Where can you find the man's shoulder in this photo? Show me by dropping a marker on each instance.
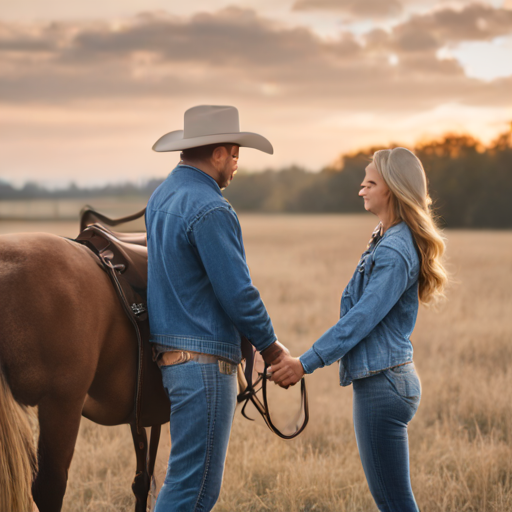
(187, 198)
(212, 209)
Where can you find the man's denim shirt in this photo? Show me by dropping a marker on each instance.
(200, 294)
(377, 313)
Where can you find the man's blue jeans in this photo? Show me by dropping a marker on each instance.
(383, 406)
(203, 403)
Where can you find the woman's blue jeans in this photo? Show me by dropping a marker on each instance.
(203, 403)
(383, 406)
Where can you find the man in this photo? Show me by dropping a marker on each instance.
(201, 300)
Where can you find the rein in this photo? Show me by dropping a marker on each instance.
(250, 394)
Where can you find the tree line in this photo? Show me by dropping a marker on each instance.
(470, 184)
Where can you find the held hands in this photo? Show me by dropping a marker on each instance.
(287, 370)
(278, 356)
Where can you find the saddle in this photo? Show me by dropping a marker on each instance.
(124, 257)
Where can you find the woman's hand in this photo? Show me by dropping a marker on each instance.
(287, 371)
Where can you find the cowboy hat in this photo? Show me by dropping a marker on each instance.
(211, 124)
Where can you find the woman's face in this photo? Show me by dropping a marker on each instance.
(375, 192)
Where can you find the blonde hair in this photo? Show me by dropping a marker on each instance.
(404, 175)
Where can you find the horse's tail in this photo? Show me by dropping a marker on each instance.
(17, 453)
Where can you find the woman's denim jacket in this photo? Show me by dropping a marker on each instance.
(200, 294)
(377, 313)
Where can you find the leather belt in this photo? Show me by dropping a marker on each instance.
(174, 357)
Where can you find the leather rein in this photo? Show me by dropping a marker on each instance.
(250, 394)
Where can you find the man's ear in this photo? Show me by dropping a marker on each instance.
(218, 156)
(219, 152)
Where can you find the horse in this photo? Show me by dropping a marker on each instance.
(67, 347)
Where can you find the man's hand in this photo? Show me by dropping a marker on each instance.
(274, 353)
(287, 371)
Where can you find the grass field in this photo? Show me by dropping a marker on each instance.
(460, 439)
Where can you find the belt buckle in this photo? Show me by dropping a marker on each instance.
(184, 356)
(226, 368)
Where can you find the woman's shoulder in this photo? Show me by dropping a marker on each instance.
(400, 238)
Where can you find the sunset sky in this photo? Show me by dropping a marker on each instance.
(86, 88)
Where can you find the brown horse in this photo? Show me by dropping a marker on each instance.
(67, 347)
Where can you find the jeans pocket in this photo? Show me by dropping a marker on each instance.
(406, 383)
(181, 379)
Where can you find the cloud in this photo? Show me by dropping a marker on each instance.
(230, 37)
(234, 53)
(474, 19)
(357, 8)
(473, 22)
(22, 38)
(432, 31)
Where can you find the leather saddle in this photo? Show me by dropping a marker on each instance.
(124, 257)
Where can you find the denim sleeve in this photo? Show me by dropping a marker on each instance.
(218, 239)
(387, 283)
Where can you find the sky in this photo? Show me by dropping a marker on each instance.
(86, 88)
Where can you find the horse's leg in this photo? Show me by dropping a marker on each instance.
(153, 450)
(144, 478)
(141, 482)
(58, 428)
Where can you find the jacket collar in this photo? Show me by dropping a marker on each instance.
(194, 172)
(395, 228)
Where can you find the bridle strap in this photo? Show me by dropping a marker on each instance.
(303, 404)
(249, 394)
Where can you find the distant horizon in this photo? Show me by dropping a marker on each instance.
(141, 181)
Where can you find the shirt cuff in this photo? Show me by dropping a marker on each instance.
(261, 346)
(311, 361)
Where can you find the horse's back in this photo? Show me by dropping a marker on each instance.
(62, 325)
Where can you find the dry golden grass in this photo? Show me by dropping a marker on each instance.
(460, 439)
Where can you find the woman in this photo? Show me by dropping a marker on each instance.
(400, 268)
